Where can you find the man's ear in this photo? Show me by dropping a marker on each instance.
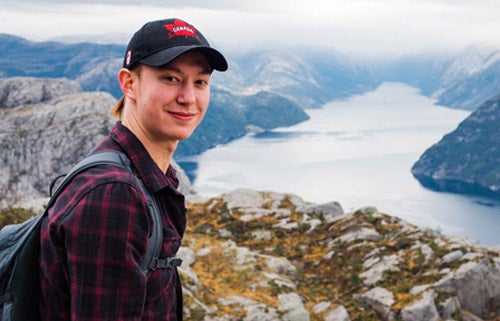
(127, 80)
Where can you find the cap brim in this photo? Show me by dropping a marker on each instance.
(161, 58)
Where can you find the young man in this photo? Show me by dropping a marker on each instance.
(96, 234)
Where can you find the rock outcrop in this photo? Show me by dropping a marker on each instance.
(251, 255)
(19, 91)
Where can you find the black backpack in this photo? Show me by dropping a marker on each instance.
(20, 248)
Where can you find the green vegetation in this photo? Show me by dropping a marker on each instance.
(15, 215)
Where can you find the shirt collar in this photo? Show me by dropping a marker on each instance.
(146, 168)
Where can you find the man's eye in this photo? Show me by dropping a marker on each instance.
(170, 78)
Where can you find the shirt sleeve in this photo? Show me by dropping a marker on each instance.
(106, 238)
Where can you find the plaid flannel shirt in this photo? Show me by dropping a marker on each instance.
(96, 234)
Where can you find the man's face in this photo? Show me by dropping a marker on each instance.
(172, 100)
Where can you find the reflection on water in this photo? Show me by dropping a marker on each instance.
(282, 135)
(358, 152)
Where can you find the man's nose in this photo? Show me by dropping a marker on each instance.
(186, 94)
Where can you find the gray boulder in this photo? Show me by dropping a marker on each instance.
(339, 314)
(292, 307)
(330, 211)
(423, 309)
(477, 286)
(379, 300)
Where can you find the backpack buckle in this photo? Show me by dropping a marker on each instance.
(165, 263)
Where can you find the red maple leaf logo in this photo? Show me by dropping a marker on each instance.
(181, 29)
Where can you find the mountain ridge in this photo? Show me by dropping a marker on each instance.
(310, 78)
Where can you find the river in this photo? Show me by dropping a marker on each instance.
(359, 152)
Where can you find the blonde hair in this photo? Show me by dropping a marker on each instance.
(118, 109)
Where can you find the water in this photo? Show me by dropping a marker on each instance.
(358, 152)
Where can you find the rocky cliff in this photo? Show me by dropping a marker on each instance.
(49, 126)
(466, 160)
(19, 91)
(252, 255)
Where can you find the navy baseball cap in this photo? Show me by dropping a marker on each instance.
(159, 42)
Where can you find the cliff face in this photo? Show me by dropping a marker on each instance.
(466, 160)
(250, 255)
(49, 126)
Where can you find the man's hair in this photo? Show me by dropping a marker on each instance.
(118, 109)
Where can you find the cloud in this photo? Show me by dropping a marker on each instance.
(356, 26)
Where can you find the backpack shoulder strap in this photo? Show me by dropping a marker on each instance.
(20, 246)
(151, 259)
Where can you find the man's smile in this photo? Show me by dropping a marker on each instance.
(182, 115)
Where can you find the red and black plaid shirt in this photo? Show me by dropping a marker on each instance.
(95, 237)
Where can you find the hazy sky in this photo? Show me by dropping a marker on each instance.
(351, 26)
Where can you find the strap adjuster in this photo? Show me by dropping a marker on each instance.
(165, 263)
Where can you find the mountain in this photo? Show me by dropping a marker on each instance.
(308, 77)
(83, 61)
(471, 77)
(94, 66)
(467, 160)
(232, 116)
(463, 80)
